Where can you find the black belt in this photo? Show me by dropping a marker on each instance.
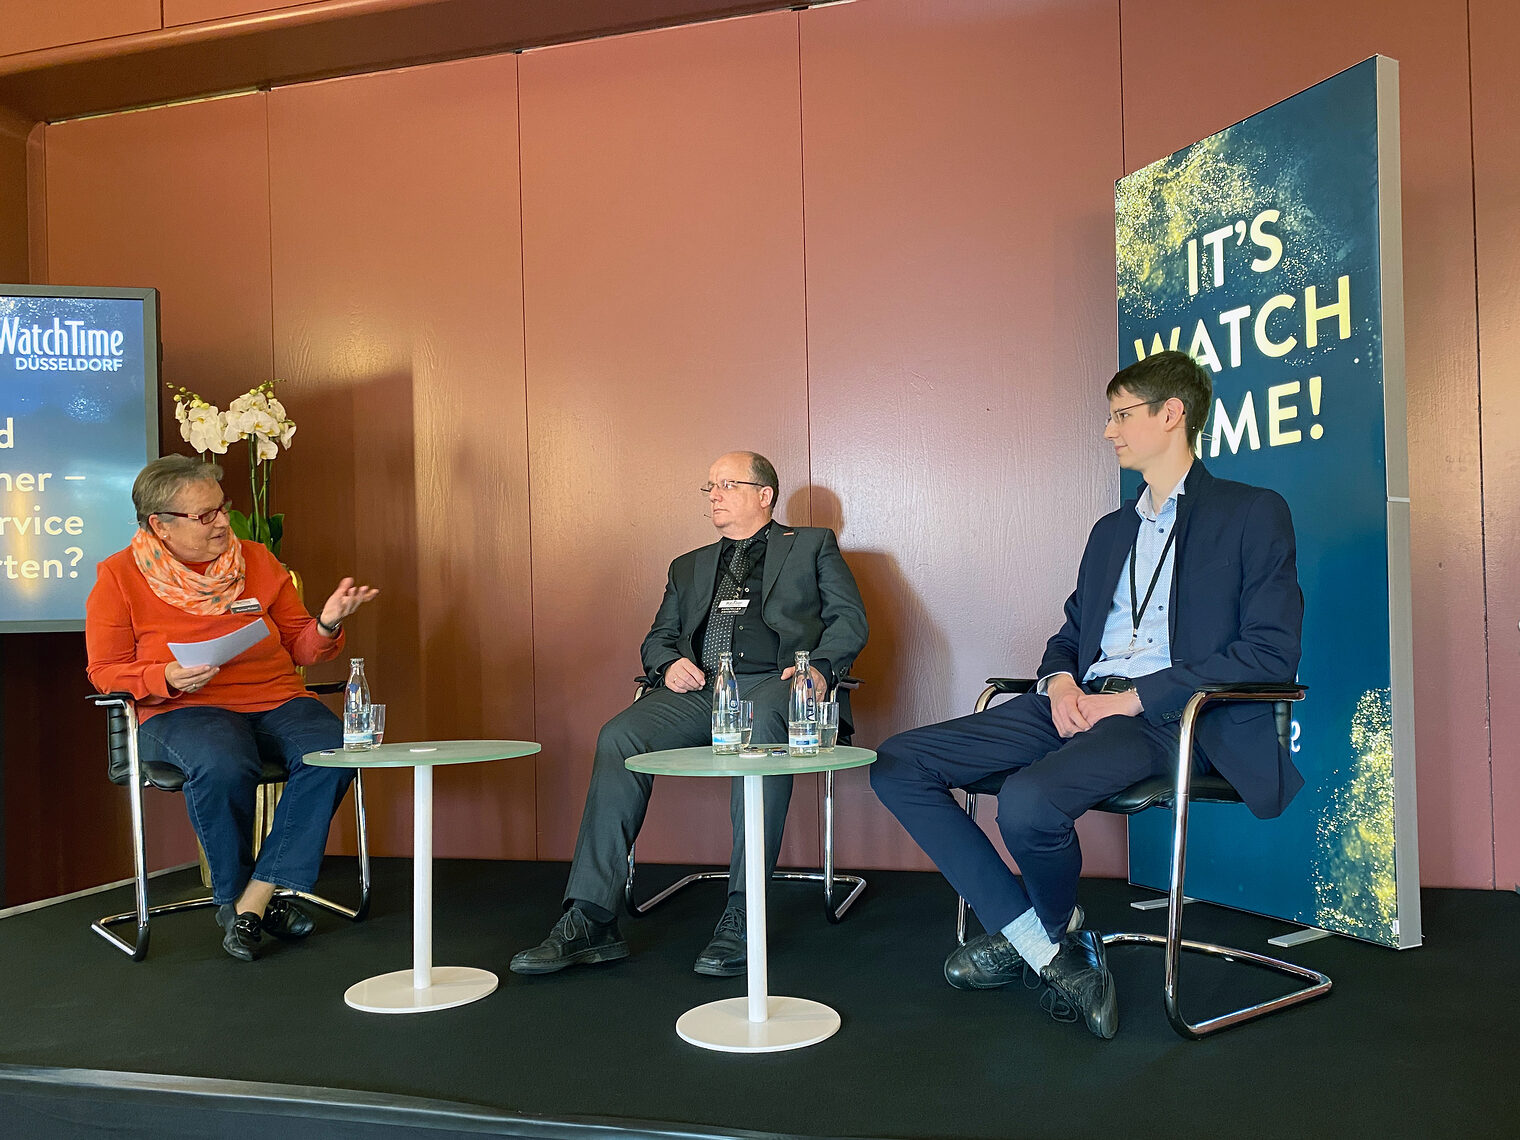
(1109, 685)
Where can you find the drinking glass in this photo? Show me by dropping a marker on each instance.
(377, 723)
(828, 725)
(744, 715)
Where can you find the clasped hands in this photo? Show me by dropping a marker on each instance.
(1073, 710)
(684, 676)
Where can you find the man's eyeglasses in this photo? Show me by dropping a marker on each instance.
(728, 486)
(205, 518)
(1119, 415)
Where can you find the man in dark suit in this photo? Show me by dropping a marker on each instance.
(763, 592)
(1194, 582)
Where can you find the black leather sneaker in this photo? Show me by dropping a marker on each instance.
(1080, 986)
(284, 919)
(241, 937)
(989, 960)
(727, 955)
(575, 940)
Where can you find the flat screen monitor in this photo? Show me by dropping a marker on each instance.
(78, 419)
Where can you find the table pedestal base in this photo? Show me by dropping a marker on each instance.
(395, 993)
(791, 1023)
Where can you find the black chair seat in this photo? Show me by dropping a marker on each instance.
(1158, 790)
(1154, 791)
(170, 779)
(121, 753)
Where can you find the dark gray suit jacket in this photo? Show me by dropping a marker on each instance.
(808, 598)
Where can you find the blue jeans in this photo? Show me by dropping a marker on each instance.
(221, 753)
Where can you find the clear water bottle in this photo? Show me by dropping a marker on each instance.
(357, 736)
(802, 711)
(726, 737)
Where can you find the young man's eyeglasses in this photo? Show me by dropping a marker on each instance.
(728, 486)
(1119, 415)
(205, 518)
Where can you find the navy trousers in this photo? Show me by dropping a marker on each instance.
(1043, 784)
(220, 753)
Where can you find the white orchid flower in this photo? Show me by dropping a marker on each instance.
(288, 433)
(266, 448)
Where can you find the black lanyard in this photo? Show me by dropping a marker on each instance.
(1137, 609)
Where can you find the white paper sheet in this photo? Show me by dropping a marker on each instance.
(219, 650)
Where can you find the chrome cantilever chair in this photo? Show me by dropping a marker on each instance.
(830, 878)
(1176, 791)
(125, 766)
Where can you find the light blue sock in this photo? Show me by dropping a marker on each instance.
(1027, 933)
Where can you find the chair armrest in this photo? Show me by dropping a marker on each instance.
(323, 688)
(1013, 685)
(1246, 691)
(1282, 697)
(1003, 686)
(104, 699)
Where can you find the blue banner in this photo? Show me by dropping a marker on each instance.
(1263, 251)
(78, 419)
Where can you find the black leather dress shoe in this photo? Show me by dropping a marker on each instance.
(984, 963)
(284, 919)
(575, 940)
(726, 955)
(241, 932)
(989, 960)
(1080, 986)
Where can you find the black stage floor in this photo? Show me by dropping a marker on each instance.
(1418, 1043)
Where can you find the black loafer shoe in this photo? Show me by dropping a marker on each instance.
(575, 940)
(989, 960)
(241, 939)
(726, 955)
(284, 919)
(1080, 986)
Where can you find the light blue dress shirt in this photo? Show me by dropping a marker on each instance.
(1126, 654)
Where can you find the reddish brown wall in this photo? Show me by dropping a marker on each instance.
(398, 324)
(1496, 162)
(663, 257)
(873, 241)
(959, 190)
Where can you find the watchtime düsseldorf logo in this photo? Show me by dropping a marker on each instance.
(64, 346)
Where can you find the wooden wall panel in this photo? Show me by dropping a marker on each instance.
(398, 323)
(177, 199)
(1167, 107)
(13, 195)
(961, 328)
(662, 215)
(1496, 108)
(29, 25)
(178, 12)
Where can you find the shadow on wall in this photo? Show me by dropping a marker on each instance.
(905, 645)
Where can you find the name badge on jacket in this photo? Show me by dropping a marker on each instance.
(246, 606)
(735, 606)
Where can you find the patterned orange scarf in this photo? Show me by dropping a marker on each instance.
(180, 586)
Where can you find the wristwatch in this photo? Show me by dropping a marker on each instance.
(330, 630)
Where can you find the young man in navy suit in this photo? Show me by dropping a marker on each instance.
(1195, 582)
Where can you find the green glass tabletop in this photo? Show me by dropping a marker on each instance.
(423, 753)
(702, 761)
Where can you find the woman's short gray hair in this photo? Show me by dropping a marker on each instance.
(159, 483)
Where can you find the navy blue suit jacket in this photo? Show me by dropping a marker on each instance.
(1236, 615)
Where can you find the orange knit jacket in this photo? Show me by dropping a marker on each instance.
(128, 628)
